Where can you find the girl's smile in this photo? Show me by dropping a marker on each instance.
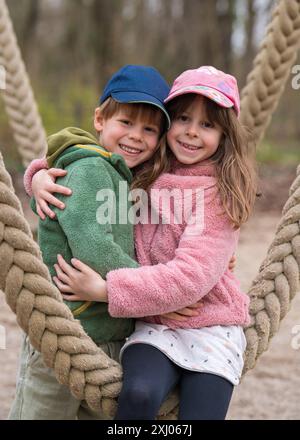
(189, 147)
(192, 138)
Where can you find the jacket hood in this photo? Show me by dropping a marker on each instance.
(71, 144)
(59, 142)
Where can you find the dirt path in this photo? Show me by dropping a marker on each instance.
(270, 391)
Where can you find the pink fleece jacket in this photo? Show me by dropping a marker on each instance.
(180, 266)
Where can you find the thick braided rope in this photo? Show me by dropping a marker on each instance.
(277, 282)
(18, 97)
(25, 280)
(272, 68)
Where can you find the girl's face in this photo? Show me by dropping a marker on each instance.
(192, 138)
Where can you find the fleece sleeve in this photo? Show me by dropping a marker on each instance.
(34, 166)
(197, 266)
(90, 241)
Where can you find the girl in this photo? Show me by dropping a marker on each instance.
(184, 262)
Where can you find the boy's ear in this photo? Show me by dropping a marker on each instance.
(98, 120)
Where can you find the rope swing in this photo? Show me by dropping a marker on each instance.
(76, 360)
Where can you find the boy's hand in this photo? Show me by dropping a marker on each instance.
(43, 186)
(183, 314)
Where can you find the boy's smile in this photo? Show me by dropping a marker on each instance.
(133, 138)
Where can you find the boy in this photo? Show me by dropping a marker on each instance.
(130, 120)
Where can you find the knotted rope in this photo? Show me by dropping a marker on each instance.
(76, 360)
(18, 97)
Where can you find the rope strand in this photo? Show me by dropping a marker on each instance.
(18, 96)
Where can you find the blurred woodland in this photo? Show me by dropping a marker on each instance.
(71, 48)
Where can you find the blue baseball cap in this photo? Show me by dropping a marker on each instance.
(138, 84)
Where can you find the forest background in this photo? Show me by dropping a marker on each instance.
(72, 47)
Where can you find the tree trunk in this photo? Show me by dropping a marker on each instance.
(249, 34)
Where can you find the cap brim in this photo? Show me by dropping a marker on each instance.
(141, 98)
(209, 92)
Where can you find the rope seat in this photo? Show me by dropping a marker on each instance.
(77, 361)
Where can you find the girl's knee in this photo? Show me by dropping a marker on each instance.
(140, 394)
(140, 400)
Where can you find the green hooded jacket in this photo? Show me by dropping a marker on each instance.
(77, 232)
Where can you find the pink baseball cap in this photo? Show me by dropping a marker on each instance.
(210, 82)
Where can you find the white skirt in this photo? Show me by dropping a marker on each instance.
(217, 350)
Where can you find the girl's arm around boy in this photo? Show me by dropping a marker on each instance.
(198, 264)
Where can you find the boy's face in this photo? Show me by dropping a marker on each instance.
(132, 138)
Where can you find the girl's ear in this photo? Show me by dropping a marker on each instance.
(98, 120)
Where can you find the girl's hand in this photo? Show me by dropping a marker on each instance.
(43, 186)
(183, 314)
(80, 281)
(232, 263)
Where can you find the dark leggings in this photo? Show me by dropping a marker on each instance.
(149, 375)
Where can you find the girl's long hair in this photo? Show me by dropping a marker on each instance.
(146, 173)
(234, 159)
